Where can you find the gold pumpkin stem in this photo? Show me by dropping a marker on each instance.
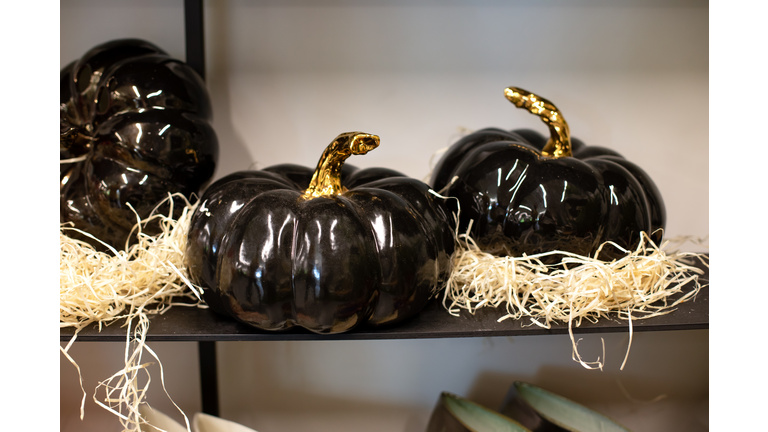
(559, 143)
(326, 181)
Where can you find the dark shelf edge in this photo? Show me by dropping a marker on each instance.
(195, 324)
(377, 335)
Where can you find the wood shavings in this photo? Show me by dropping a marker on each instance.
(126, 286)
(640, 285)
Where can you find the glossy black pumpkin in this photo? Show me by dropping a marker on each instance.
(273, 256)
(522, 196)
(135, 126)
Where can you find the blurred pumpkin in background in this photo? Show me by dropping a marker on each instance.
(135, 126)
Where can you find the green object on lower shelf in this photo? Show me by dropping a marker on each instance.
(542, 410)
(455, 414)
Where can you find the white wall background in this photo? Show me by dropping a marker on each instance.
(287, 76)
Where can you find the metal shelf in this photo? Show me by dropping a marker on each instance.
(195, 324)
(206, 327)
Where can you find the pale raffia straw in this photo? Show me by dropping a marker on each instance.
(103, 288)
(637, 286)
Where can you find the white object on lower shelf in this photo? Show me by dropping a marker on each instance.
(201, 422)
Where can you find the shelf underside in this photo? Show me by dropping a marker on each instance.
(195, 324)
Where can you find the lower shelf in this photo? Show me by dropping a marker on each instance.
(195, 324)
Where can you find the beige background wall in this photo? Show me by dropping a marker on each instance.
(286, 77)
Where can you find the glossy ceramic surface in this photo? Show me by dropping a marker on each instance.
(542, 411)
(273, 259)
(135, 125)
(523, 202)
(455, 414)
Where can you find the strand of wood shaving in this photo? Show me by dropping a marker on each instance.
(123, 286)
(637, 286)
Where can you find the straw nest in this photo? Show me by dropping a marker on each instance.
(647, 282)
(126, 286)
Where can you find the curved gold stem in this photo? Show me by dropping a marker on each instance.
(326, 181)
(559, 143)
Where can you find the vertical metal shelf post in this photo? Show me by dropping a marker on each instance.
(194, 38)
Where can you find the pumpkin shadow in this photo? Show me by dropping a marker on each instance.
(233, 150)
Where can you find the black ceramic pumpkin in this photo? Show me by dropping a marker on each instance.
(324, 250)
(135, 126)
(524, 193)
